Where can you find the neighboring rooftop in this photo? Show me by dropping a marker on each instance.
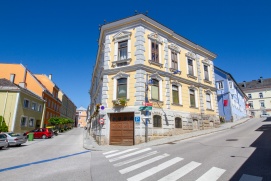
(256, 84)
(6, 84)
(81, 109)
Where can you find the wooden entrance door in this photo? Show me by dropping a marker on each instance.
(122, 129)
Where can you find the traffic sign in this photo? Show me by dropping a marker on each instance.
(145, 108)
(147, 103)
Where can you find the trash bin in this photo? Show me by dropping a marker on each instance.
(30, 136)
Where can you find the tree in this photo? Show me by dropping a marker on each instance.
(3, 126)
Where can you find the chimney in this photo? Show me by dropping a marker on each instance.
(50, 76)
(12, 78)
(244, 85)
(261, 79)
(22, 84)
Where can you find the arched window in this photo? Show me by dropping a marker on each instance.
(155, 89)
(178, 123)
(157, 121)
(122, 88)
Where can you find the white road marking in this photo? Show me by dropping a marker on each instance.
(181, 171)
(212, 175)
(246, 177)
(154, 170)
(128, 155)
(113, 151)
(139, 165)
(135, 159)
(119, 153)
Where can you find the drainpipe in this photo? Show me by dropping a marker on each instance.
(43, 114)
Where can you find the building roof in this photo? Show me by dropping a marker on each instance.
(256, 84)
(81, 109)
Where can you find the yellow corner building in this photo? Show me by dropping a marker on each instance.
(139, 60)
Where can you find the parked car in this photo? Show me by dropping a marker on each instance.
(15, 139)
(41, 133)
(3, 141)
(264, 115)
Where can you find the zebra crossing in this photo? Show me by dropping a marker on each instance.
(133, 159)
(140, 158)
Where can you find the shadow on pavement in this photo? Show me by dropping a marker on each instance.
(259, 163)
(267, 119)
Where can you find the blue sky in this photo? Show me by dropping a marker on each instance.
(60, 37)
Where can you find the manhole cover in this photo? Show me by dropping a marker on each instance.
(231, 139)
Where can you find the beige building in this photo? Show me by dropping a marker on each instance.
(259, 96)
(81, 117)
(140, 60)
(68, 108)
(21, 109)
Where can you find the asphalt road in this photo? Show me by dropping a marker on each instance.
(60, 158)
(241, 153)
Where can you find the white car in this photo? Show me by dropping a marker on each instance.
(15, 139)
(265, 115)
(3, 141)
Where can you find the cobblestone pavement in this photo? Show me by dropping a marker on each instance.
(90, 144)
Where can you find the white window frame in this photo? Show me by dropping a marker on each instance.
(260, 95)
(196, 96)
(26, 121)
(28, 103)
(220, 85)
(211, 102)
(115, 78)
(231, 86)
(31, 118)
(35, 107)
(179, 93)
(157, 77)
(249, 96)
(262, 102)
(174, 48)
(154, 37)
(208, 71)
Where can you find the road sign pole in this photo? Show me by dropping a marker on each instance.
(146, 112)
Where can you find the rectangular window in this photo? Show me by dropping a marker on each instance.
(206, 72)
(23, 122)
(155, 52)
(174, 61)
(250, 104)
(219, 85)
(208, 101)
(155, 89)
(26, 103)
(192, 98)
(39, 108)
(122, 88)
(261, 95)
(262, 103)
(122, 54)
(175, 94)
(49, 103)
(249, 96)
(31, 122)
(231, 84)
(190, 67)
(34, 106)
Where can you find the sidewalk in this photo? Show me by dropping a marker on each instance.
(90, 144)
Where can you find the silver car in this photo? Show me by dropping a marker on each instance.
(15, 139)
(3, 141)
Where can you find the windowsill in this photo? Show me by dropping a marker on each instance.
(194, 107)
(174, 70)
(175, 104)
(210, 110)
(208, 81)
(156, 103)
(192, 76)
(114, 63)
(114, 102)
(156, 63)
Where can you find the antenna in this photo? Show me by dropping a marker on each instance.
(104, 21)
(135, 11)
(146, 13)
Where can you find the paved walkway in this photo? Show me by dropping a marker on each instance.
(90, 144)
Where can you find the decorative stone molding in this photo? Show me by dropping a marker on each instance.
(191, 76)
(193, 87)
(206, 61)
(121, 74)
(128, 61)
(156, 63)
(174, 47)
(175, 82)
(176, 115)
(156, 103)
(156, 76)
(121, 36)
(207, 81)
(155, 37)
(191, 55)
(158, 113)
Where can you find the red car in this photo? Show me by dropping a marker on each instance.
(42, 133)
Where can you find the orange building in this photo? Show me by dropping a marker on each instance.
(81, 116)
(20, 75)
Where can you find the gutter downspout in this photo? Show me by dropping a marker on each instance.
(43, 114)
